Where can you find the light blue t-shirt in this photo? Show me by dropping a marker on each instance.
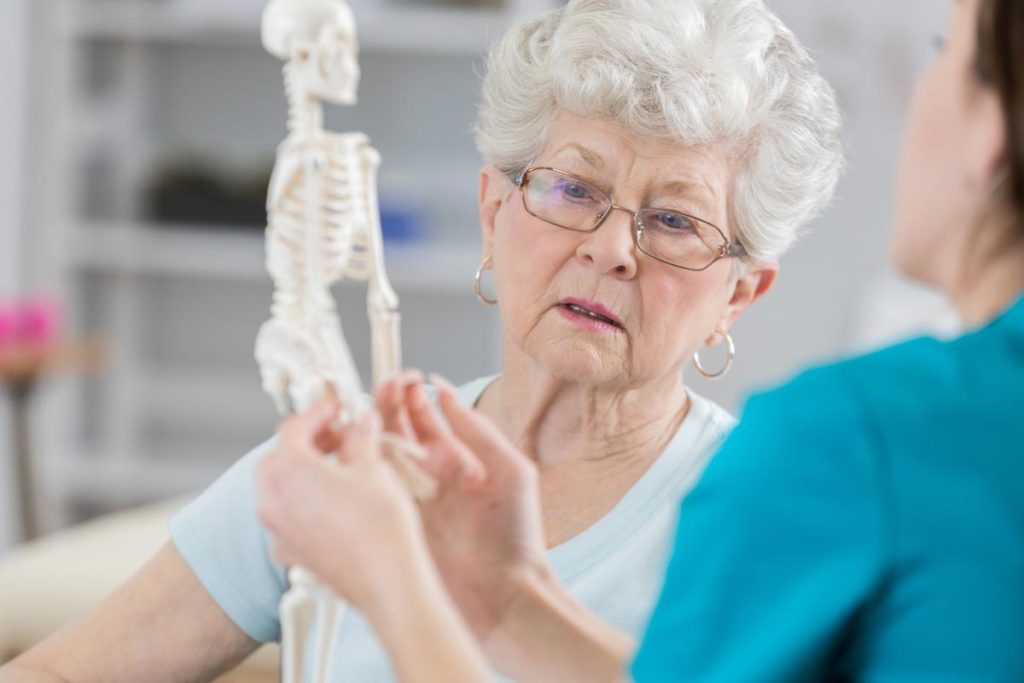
(615, 567)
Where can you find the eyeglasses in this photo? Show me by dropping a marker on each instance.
(671, 237)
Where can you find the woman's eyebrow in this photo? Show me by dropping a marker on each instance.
(591, 158)
(688, 188)
(683, 188)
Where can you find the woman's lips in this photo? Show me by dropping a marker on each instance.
(590, 313)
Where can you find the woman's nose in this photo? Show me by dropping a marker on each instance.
(610, 248)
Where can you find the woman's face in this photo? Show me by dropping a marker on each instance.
(664, 313)
(949, 156)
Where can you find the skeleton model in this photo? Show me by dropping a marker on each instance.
(323, 227)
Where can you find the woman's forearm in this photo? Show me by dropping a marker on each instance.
(547, 636)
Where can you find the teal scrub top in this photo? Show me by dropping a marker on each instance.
(864, 522)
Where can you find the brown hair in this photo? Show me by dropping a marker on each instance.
(999, 63)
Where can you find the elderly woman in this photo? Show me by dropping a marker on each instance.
(647, 162)
(863, 522)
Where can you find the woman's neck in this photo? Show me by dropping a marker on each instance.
(555, 421)
(988, 286)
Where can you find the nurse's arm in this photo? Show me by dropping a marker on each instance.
(548, 636)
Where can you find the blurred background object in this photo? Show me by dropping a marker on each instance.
(32, 350)
(29, 337)
(136, 144)
(199, 192)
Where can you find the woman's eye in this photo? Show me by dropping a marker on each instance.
(673, 221)
(576, 190)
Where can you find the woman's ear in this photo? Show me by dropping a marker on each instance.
(985, 140)
(493, 189)
(749, 287)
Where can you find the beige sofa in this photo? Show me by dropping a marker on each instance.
(46, 583)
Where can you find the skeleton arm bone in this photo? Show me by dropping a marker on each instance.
(382, 302)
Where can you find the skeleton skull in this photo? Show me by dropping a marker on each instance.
(319, 36)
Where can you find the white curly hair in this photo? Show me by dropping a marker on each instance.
(699, 72)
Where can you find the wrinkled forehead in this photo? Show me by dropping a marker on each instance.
(607, 151)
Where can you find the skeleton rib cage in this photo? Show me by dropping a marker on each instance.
(307, 254)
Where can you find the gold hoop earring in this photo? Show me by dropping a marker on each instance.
(484, 265)
(728, 360)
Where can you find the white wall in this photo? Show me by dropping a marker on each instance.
(13, 25)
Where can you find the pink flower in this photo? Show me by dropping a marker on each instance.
(39, 321)
(31, 323)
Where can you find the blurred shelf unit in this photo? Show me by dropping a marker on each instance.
(399, 28)
(129, 85)
(216, 252)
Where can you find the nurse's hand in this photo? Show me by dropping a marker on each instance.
(484, 526)
(355, 526)
(352, 523)
(486, 535)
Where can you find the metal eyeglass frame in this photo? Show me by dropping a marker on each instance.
(727, 250)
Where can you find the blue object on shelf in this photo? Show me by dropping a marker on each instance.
(401, 222)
